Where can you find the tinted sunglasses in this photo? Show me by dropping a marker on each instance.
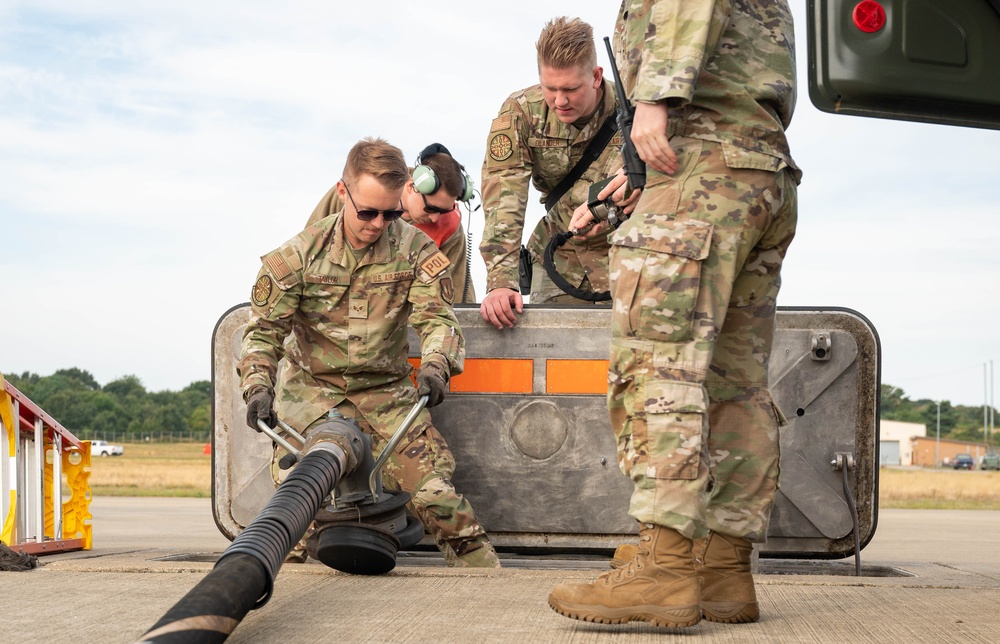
(369, 214)
(434, 210)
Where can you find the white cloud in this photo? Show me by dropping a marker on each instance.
(151, 152)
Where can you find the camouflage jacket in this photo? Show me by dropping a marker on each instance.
(450, 237)
(344, 333)
(726, 70)
(455, 248)
(527, 145)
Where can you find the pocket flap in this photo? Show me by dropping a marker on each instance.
(737, 157)
(663, 397)
(681, 237)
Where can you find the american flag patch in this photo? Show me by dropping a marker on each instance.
(276, 263)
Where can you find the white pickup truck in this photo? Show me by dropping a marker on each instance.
(104, 448)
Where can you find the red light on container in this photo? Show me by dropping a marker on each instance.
(869, 16)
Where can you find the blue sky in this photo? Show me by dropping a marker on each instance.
(150, 154)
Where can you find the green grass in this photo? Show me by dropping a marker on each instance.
(161, 491)
(184, 470)
(154, 469)
(938, 504)
(939, 489)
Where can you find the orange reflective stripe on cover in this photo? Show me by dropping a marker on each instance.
(576, 376)
(492, 376)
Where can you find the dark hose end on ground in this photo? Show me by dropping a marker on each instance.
(212, 609)
(243, 578)
(286, 517)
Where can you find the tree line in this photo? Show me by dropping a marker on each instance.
(122, 407)
(958, 422)
(80, 404)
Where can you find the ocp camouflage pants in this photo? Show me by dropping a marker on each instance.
(423, 467)
(695, 274)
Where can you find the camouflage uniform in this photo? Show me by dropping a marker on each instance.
(696, 269)
(526, 145)
(341, 324)
(455, 246)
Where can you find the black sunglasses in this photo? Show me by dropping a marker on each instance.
(370, 215)
(434, 210)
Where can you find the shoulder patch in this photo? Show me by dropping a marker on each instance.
(501, 147)
(500, 123)
(435, 264)
(447, 290)
(261, 291)
(276, 264)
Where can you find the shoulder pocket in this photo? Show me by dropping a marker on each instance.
(503, 149)
(501, 122)
(282, 266)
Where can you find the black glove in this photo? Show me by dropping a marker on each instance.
(432, 382)
(260, 405)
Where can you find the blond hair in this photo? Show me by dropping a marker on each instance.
(565, 43)
(378, 158)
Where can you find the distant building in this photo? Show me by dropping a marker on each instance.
(908, 444)
(926, 450)
(896, 441)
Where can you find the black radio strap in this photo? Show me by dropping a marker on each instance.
(590, 154)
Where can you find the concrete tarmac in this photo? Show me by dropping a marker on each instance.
(930, 576)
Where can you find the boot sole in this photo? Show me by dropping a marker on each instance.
(677, 617)
(730, 612)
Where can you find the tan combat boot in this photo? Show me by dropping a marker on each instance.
(659, 585)
(727, 593)
(624, 554)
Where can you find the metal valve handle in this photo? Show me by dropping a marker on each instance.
(398, 436)
(273, 435)
(295, 454)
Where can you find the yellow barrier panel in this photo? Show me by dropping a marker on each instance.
(10, 431)
(76, 509)
(73, 471)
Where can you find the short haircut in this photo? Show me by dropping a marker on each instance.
(378, 158)
(448, 172)
(566, 43)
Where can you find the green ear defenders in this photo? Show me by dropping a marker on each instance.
(426, 181)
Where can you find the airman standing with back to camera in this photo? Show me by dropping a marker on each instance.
(696, 272)
(540, 135)
(335, 302)
(430, 202)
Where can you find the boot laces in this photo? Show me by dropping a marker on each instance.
(634, 564)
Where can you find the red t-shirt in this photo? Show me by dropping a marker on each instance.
(443, 229)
